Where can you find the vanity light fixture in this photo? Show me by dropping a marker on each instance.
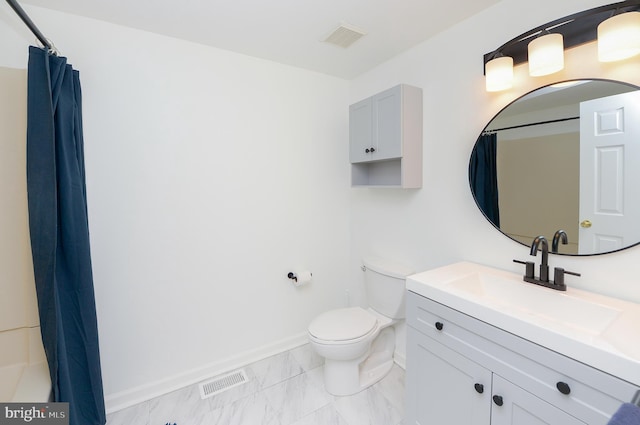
(499, 72)
(619, 37)
(543, 46)
(546, 54)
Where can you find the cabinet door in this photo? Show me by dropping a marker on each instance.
(387, 124)
(361, 130)
(519, 407)
(444, 387)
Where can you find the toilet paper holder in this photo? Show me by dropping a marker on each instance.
(292, 275)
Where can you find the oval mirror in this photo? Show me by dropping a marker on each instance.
(563, 157)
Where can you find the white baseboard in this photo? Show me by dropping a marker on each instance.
(133, 396)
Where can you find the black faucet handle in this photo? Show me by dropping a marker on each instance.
(529, 267)
(558, 276)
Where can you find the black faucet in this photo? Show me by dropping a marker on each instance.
(560, 234)
(558, 273)
(544, 265)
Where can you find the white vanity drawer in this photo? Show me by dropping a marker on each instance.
(593, 396)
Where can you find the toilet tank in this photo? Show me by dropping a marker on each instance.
(385, 285)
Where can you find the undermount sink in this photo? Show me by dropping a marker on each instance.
(551, 307)
(592, 328)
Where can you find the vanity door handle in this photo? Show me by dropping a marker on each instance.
(479, 388)
(563, 387)
(439, 326)
(498, 400)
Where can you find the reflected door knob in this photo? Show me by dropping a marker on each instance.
(585, 223)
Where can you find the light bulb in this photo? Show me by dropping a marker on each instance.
(546, 55)
(619, 37)
(499, 74)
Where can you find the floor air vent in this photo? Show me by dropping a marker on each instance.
(223, 383)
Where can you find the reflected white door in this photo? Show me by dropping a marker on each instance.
(609, 142)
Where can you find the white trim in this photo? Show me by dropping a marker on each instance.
(128, 398)
(400, 359)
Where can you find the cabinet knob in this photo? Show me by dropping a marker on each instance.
(439, 326)
(563, 387)
(367, 150)
(373, 150)
(498, 400)
(479, 388)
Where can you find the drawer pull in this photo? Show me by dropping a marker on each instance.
(498, 400)
(563, 387)
(439, 326)
(479, 388)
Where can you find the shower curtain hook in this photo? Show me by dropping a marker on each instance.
(51, 48)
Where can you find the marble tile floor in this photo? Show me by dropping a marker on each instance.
(286, 389)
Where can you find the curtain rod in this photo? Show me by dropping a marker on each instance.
(29, 23)
(528, 125)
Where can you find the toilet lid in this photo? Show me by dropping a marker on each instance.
(342, 324)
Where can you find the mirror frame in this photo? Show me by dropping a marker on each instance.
(486, 127)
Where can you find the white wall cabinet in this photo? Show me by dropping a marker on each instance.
(462, 371)
(385, 139)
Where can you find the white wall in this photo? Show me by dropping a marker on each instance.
(440, 223)
(17, 292)
(210, 175)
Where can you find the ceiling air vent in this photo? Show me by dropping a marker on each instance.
(344, 36)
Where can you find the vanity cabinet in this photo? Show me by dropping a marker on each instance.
(385, 139)
(441, 385)
(463, 371)
(513, 405)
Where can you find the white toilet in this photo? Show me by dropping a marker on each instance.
(358, 343)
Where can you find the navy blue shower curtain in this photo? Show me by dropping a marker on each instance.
(60, 236)
(483, 176)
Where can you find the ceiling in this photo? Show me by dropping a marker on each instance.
(286, 31)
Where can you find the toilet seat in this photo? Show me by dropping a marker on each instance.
(343, 325)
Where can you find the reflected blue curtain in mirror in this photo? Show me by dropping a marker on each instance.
(483, 176)
(60, 236)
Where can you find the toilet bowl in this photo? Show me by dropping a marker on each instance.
(357, 343)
